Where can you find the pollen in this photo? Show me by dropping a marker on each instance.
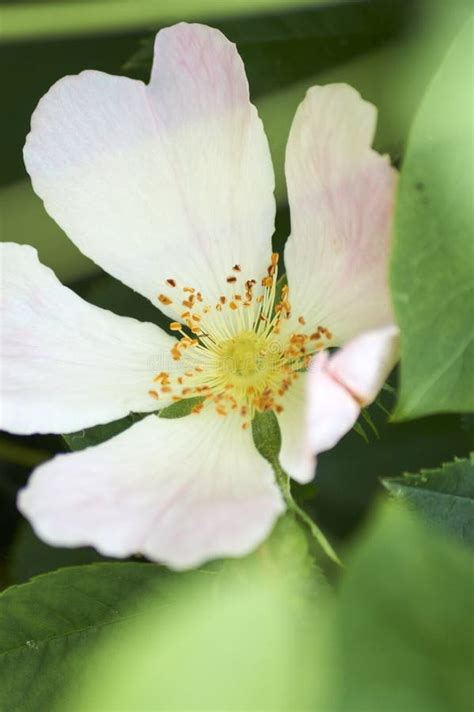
(237, 355)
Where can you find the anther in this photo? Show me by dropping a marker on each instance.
(164, 299)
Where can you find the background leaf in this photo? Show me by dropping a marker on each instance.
(444, 495)
(402, 628)
(237, 641)
(49, 626)
(432, 276)
(52, 19)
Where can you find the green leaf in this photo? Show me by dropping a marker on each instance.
(100, 433)
(181, 408)
(52, 19)
(444, 495)
(431, 270)
(223, 643)
(30, 556)
(49, 627)
(402, 628)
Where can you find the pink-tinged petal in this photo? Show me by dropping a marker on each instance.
(341, 195)
(324, 404)
(331, 410)
(178, 491)
(364, 363)
(296, 457)
(167, 180)
(65, 364)
(339, 385)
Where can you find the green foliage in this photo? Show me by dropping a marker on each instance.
(402, 628)
(53, 19)
(100, 433)
(29, 556)
(181, 408)
(266, 435)
(434, 253)
(444, 495)
(261, 633)
(49, 626)
(239, 640)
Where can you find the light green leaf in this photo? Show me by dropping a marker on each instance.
(432, 266)
(403, 624)
(52, 19)
(444, 495)
(225, 643)
(48, 627)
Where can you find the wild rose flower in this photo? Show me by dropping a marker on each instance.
(169, 188)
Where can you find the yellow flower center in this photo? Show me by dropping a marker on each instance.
(232, 353)
(247, 362)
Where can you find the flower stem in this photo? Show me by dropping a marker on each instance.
(284, 483)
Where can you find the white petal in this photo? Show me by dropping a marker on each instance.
(296, 456)
(364, 363)
(170, 180)
(65, 364)
(341, 199)
(338, 386)
(331, 410)
(179, 491)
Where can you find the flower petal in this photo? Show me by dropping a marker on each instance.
(295, 457)
(340, 385)
(170, 180)
(364, 363)
(324, 404)
(341, 199)
(179, 491)
(66, 364)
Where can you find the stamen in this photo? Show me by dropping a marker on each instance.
(233, 357)
(164, 299)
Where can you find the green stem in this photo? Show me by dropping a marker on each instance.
(284, 483)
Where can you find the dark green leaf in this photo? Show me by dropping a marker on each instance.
(29, 556)
(100, 433)
(444, 495)
(434, 252)
(49, 627)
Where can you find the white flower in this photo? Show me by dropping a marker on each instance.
(169, 187)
